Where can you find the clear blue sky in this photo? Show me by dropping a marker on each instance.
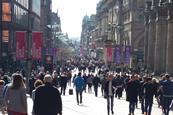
(72, 12)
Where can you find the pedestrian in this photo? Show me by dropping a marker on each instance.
(167, 88)
(37, 83)
(79, 85)
(63, 83)
(47, 99)
(96, 82)
(132, 93)
(149, 91)
(69, 76)
(89, 82)
(56, 79)
(31, 84)
(15, 97)
(119, 86)
(109, 93)
(2, 102)
(85, 81)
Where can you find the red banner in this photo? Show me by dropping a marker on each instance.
(36, 45)
(20, 45)
(109, 54)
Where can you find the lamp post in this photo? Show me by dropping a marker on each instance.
(120, 29)
(29, 42)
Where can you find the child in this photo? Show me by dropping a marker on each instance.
(2, 102)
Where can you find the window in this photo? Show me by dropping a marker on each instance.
(5, 36)
(24, 3)
(6, 11)
(126, 17)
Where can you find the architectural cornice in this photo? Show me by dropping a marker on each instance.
(161, 12)
(169, 6)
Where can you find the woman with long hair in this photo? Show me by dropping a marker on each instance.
(15, 97)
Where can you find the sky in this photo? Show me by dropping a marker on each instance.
(72, 12)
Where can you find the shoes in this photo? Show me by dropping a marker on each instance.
(112, 112)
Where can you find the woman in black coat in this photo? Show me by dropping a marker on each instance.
(132, 93)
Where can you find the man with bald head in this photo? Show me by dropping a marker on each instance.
(47, 99)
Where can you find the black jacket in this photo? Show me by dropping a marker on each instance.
(106, 88)
(47, 100)
(132, 91)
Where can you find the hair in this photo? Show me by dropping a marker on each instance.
(2, 82)
(17, 81)
(37, 83)
(149, 79)
(47, 78)
(79, 74)
(167, 76)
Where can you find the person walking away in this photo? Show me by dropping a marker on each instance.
(79, 85)
(149, 91)
(89, 82)
(31, 84)
(85, 77)
(47, 99)
(167, 94)
(69, 76)
(2, 102)
(63, 83)
(109, 93)
(15, 98)
(36, 85)
(132, 93)
(96, 81)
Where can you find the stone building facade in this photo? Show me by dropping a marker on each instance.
(158, 36)
(120, 22)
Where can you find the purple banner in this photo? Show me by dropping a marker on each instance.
(127, 55)
(118, 54)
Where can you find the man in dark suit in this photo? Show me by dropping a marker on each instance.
(47, 99)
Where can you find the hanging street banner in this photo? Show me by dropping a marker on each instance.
(20, 45)
(109, 54)
(118, 54)
(37, 45)
(127, 55)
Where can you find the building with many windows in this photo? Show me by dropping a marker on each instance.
(120, 23)
(16, 15)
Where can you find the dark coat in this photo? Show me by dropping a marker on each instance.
(47, 100)
(63, 81)
(132, 91)
(149, 91)
(96, 81)
(106, 88)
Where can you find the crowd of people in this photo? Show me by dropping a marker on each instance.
(46, 88)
